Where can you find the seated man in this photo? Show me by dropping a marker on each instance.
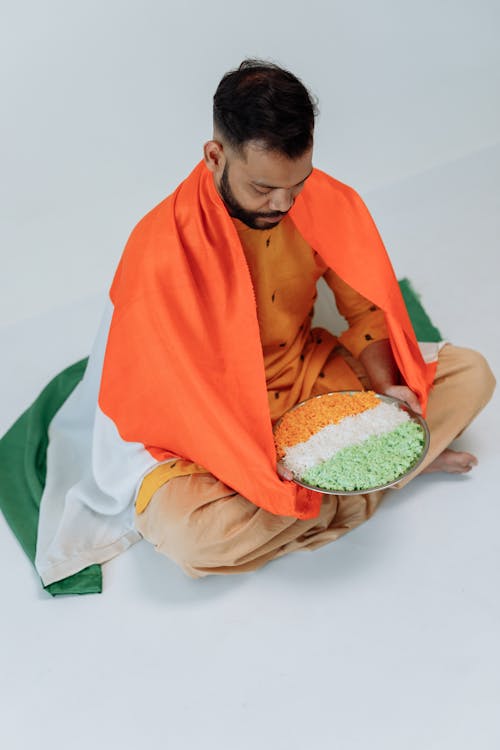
(208, 340)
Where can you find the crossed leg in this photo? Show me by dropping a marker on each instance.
(207, 528)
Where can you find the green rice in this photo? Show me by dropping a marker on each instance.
(376, 461)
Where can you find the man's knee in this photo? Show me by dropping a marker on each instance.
(173, 535)
(480, 378)
(193, 525)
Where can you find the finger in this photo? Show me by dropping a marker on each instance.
(405, 394)
(283, 471)
(414, 404)
(410, 398)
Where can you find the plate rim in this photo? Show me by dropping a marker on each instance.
(387, 399)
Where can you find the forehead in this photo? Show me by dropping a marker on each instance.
(271, 169)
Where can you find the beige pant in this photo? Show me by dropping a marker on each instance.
(206, 527)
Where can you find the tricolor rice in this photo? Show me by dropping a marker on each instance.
(372, 444)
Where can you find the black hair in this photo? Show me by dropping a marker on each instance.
(259, 101)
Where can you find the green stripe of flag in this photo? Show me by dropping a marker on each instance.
(23, 468)
(422, 324)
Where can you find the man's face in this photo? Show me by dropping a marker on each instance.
(259, 187)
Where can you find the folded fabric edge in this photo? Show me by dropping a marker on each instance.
(86, 581)
(430, 350)
(79, 565)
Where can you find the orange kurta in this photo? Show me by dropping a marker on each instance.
(284, 271)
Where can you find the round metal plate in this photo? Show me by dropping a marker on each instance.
(389, 400)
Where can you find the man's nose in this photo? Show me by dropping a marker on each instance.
(281, 200)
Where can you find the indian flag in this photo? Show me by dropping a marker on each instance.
(68, 479)
(348, 441)
(65, 467)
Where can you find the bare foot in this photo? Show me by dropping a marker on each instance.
(453, 462)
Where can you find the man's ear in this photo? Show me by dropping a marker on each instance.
(215, 158)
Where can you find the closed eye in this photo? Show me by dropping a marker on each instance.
(260, 192)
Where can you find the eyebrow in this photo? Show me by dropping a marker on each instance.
(275, 187)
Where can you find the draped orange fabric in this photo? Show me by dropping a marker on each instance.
(183, 372)
(333, 219)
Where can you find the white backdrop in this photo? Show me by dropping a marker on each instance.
(105, 106)
(387, 639)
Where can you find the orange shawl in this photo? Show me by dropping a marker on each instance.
(183, 372)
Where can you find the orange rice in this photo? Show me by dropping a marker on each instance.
(298, 425)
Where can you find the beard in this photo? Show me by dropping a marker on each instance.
(250, 218)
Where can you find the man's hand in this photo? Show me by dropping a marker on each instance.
(404, 394)
(283, 472)
(381, 368)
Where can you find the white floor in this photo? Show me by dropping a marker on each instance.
(387, 639)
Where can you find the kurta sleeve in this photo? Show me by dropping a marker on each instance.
(366, 321)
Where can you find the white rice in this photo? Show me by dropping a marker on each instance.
(349, 431)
